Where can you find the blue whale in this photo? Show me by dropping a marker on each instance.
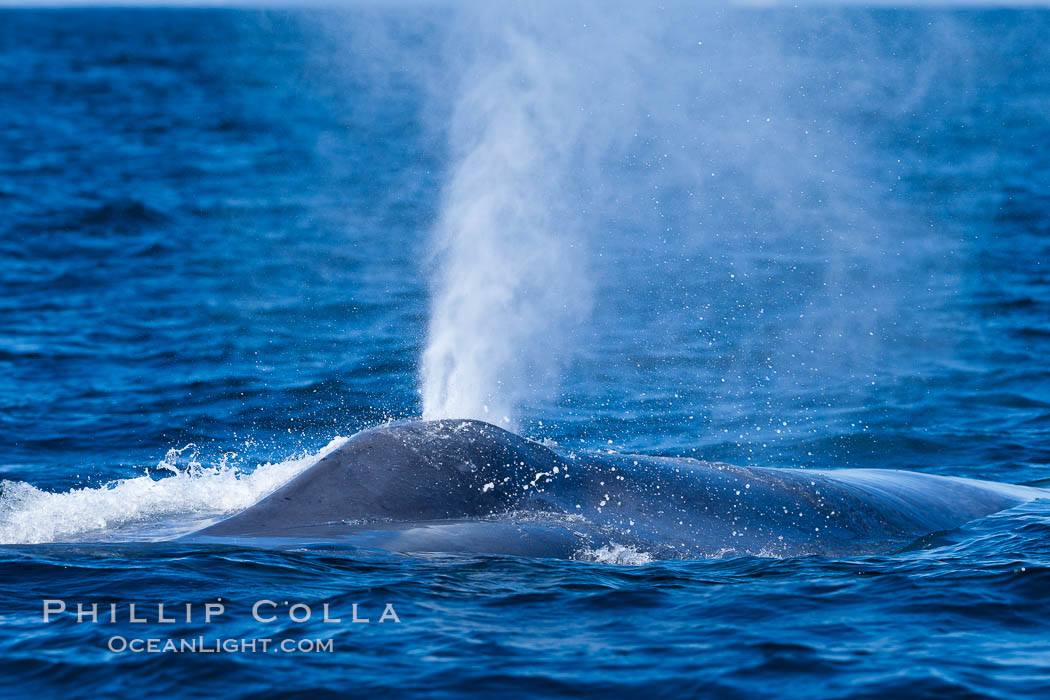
(468, 486)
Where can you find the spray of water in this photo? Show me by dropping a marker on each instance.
(510, 283)
(629, 182)
(543, 106)
(143, 507)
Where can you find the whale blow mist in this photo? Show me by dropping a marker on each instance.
(510, 283)
(620, 179)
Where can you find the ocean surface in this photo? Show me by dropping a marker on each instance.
(812, 239)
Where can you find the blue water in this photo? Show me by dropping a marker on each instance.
(826, 246)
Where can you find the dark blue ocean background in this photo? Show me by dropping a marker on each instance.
(216, 253)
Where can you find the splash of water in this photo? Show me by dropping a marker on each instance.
(142, 507)
(617, 555)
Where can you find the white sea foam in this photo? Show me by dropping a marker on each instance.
(170, 506)
(616, 554)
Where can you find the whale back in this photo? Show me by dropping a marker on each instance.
(420, 471)
(467, 486)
